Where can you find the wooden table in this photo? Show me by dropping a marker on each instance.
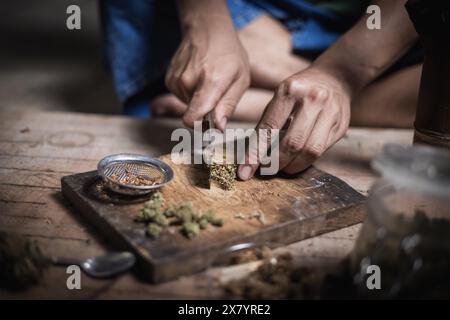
(37, 149)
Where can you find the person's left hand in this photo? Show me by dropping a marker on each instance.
(316, 105)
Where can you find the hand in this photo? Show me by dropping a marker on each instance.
(209, 72)
(316, 107)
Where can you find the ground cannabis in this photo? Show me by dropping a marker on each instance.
(132, 179)
(223, 174)
(21, 262)
(190, 220)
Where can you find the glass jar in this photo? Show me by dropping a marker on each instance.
(407, 229)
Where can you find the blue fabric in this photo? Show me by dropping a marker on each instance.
(141, 37)
(312, 28)
(138, 107)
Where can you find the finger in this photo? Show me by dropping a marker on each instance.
(277, 112)
(186, 80)
(172, 85)
(339, 129)
(275, 116)
(298, 132)
(316, 144)
(305, 120)
(186, 83)
(168, 105)
(227, 104)
(174, 75)
(206, 96)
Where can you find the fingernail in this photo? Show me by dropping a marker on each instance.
(245, 172)
(223, 123)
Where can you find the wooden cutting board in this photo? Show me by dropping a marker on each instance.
(294, 208)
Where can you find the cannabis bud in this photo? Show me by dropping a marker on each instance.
(183, 214)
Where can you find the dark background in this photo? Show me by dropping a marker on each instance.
(45, 66)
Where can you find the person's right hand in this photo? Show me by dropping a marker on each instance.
(210, 71)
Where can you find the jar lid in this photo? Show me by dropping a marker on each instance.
(418, 167)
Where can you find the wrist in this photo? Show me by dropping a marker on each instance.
(203, 14)
(351, 79)
(352, 69)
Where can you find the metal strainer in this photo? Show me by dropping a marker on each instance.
(133, 174)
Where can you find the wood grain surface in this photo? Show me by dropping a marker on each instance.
(38, 149)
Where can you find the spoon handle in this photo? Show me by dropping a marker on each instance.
(63, 261)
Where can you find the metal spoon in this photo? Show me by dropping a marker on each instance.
(102, 266)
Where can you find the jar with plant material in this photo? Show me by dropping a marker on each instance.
(406, 234)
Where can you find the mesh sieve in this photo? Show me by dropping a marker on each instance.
(133, 174)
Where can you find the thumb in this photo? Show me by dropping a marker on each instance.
(251, 160)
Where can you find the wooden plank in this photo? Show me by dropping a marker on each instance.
(14, 177)
(349, 160)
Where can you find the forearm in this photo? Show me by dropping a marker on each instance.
(198, 13)
(361, 55)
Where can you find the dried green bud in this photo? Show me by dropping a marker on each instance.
(146, 215)
(161, 220)
(210, 216)
(217, 222)
(170, 211)
(196, 216)
(152, 208)
(155, 202)
(154, 230)
(185, 212)
(190, 229)
(203, 223)
(158, 196)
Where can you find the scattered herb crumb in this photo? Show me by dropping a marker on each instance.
(258, 214)
(240, 215)
(255, 214)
